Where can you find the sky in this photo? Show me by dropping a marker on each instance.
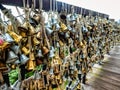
(110, 7)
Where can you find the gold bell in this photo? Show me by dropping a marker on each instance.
(45, 50)
(63, 26)
(4, 45)
(16, 37)
(25, 50)
(32, 56)
(61, 43)
(31, 65)
(35, 41)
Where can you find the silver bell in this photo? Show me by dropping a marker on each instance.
(52, 52)
(23, 59)
(49, 31)
(8, 38)
(51, 71)
(37, 75)
(12, 57)
(72, 18)
(39, 53)
(48, 25)
(17, 62)
(57, 26)
(15, 48)
(16, 85)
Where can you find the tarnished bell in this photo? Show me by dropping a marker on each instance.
(31, 65)
(15, 48)
(49, 31)
(23, 59)
(45, 50)
(25, 50)
(39, 53)
(31, 29)
(35, 41)
(8, 38)
(24, 27)
(16, 37)
(12, 57)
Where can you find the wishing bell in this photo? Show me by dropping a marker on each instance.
(16, 37)
(35, 41)
(31, 65)
(45, 50)
(8, 38)
(31, 29)
(37, 75)
(57, 26)
(25, 50)
(15, 48)
(5, 45)
(63, 15)
(49, 31)
(39, 53)
(12, 57)
(48, 25)
(63, 26)
(23, 59)
(16, 85)
(72, 18)
(24, 27)
(51, 54)
(17, 62)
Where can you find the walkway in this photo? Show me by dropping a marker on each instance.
(106, 76)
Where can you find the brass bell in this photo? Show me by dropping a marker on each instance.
(35, 41)
(39, 53)
(23, 59)
(8, 38)
(16, 37)
(36, 18)
(12, 57)
(45, 50)
(49, 31)
(25, 50)
(24, 27)
(15, 48)
(31, 65)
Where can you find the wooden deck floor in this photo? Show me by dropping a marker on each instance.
(106, 76)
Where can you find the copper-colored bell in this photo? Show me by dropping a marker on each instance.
(16, 37)
(25, 50)
(31, 65)
(45, 50)
(3, 67)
